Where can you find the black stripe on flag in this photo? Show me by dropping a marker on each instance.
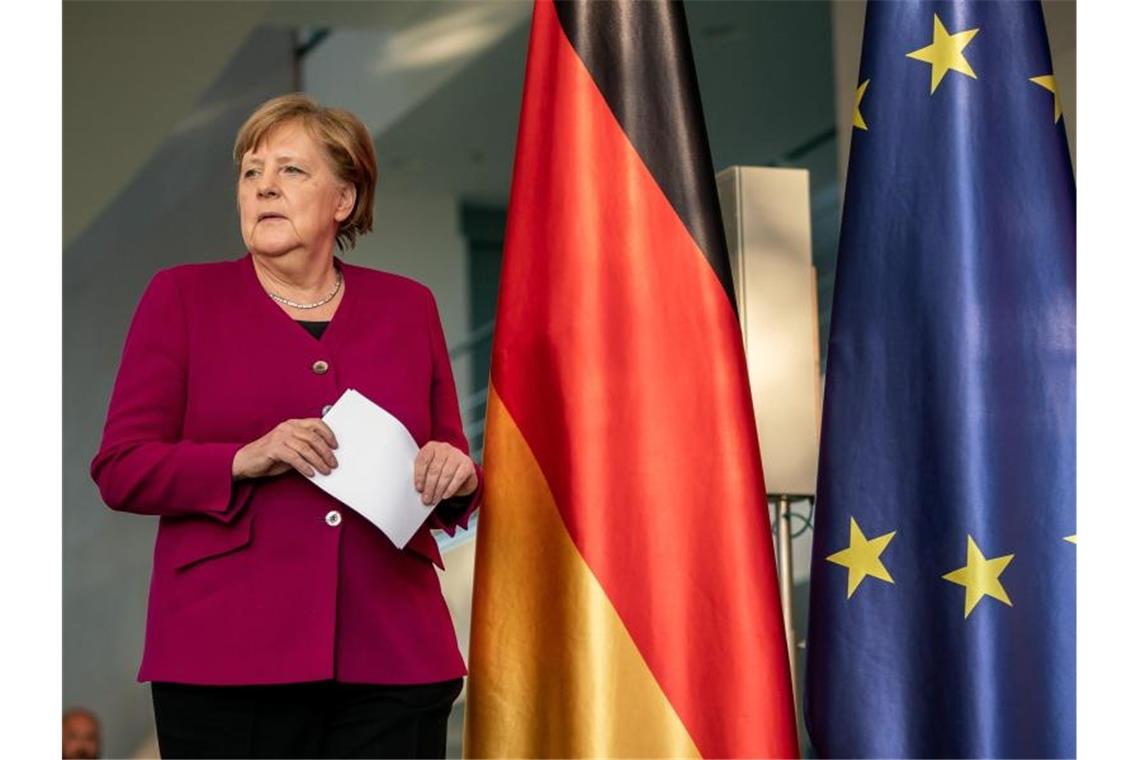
(638, 53)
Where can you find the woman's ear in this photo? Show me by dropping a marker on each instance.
(345, 202)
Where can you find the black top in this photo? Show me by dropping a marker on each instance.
(316, 328)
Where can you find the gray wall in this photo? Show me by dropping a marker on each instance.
(134, 68)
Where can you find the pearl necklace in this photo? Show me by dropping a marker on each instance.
(322, 302)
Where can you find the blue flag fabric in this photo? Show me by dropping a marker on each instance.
(942, 619)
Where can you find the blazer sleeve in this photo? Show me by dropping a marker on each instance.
(143, 464)
(447, 426)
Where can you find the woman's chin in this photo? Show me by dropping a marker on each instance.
(272, 247)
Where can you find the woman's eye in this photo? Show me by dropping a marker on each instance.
(294, 169)
(249, 173)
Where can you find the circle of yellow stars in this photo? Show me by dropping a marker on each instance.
(980, 576)
(945, 53)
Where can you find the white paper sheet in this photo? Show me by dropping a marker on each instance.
(375, 470)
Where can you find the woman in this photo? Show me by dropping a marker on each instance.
(280, 622)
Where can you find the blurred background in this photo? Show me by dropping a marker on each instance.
(154, 93)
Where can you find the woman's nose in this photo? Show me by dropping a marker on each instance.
(266, 188)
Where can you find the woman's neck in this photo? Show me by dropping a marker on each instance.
(299, 276)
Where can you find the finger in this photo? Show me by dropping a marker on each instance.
(320, 445)
(470, 481)
(312, 426)
(450, 467)
(310, 455)
(314, 456)
(459, 478)
(431, 479)
(325, 432)
(423, 461)
(297, 462)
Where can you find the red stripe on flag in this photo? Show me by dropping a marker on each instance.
(619, 355)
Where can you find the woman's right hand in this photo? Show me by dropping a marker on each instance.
(304, 444)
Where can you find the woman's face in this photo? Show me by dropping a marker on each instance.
(289, 197)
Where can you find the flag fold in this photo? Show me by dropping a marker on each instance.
(625, 597)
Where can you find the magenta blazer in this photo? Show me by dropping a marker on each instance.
(258, 581)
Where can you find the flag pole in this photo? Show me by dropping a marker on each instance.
(787, 586)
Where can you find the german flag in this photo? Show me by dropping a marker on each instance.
(625, 592)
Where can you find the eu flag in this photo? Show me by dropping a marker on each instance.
(942, 619)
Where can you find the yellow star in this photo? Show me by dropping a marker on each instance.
(858, 117)
(1049, 83)
(861, 558)
(1071, 539)
(980, 576)
(945, 53)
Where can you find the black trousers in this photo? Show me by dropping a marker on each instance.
(318, 719)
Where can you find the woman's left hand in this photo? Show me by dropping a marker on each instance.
(443, 471)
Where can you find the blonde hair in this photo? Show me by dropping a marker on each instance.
(346, 141)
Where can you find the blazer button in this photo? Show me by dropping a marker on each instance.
(320, 366)
(333, 518)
